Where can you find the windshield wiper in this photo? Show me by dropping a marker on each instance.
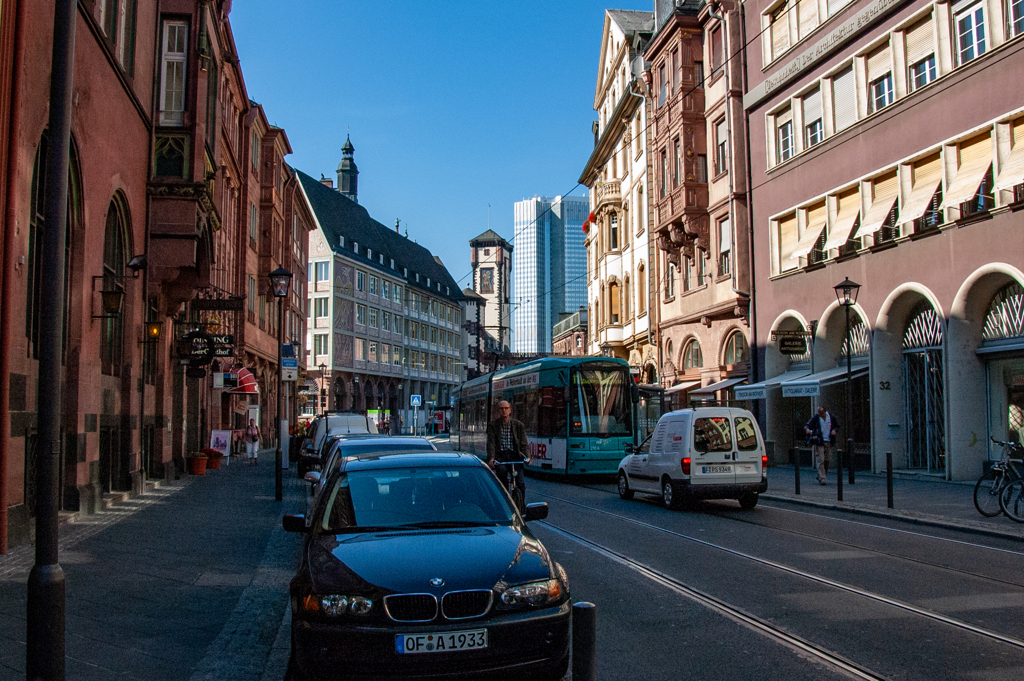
(433, 524)
(363, 528)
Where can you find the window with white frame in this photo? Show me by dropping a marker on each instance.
(702, 172)
(613, 232)
(385, 321)
(920, 42)
(372, 354)
(385, 290)
(374, 312)
(814, 129)
(321, 306)
(320, 344)
(662, 85)
(670, 281)
(323, 271)
(1014, 18)
(785, 145)
(360, 349)
(361, 315)
(254, 225)
(172, 73)
(677, 166)
(724, 246)
(360, 281)
(880, 90)
(374, 282)
(969, 29)
(721, 140)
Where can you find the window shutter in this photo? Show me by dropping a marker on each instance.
(783, 117)
(879, 63)
(812, 106)
(844, 99)
(835, 5)
(1011, 172)
(724, 236)
(807, 16)
(816, 220)
(787, 240)
(927, 176)
(847, 211)
(975, 159)
(920, 42)
(885, 190)
(780, 31)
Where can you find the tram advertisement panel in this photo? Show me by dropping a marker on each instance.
(546, 452)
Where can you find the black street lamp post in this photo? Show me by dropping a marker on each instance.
(323, 386)
(280, 280)
(847, 292)
(45, 625)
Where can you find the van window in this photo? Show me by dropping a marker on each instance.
(746, 434)
(712, 434)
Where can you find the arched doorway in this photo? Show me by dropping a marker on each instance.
(1003, 331)
(924, 390)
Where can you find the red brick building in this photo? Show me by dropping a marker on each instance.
(160, 181)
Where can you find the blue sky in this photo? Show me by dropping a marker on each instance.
(451, 105)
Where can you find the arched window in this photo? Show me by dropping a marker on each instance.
(924, 330)
(114, 249)
(641, 290)
(669, 349)
(1005, 318)
(692, 357)
(736, 350)
(614, 303)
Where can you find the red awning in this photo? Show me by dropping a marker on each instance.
(247, 384)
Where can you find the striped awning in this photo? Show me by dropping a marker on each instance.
(247, 384)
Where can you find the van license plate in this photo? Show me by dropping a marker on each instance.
(441, 642)
(715, 469)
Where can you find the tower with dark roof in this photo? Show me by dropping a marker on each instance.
(348, 174)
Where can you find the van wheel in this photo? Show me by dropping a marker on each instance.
(668, 494)
(748, 501)
(624, 491)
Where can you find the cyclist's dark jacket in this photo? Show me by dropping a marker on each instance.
(519, 442)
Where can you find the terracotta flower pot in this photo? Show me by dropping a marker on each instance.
(213, 463)
(196, 465)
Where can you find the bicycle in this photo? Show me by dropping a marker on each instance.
(518, 497)
(993, 485)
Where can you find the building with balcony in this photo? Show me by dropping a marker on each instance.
(618, 247)
(549, 269)
(887, 148)
(384, 314)
(698, 204)
(569, 335)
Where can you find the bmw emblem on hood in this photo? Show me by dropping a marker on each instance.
(437, 581)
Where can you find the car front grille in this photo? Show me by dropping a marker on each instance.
(411, 607)
(460, 605)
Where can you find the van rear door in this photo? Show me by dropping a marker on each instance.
(748, 449)
(713, 446)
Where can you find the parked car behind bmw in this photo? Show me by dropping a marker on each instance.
(417, 565)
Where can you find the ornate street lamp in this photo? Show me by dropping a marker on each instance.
(606, 349)
(846, 293)
(280, 280)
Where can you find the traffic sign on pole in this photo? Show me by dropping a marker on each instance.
(415, 400)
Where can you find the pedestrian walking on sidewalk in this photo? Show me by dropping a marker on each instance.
(252, 442)
(821, 434)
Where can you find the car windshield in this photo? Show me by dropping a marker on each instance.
(600, 402)
(414, 498)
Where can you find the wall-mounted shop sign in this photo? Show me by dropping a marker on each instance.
(800, 390)
(840, 35)
(221, 304)
(793, 346)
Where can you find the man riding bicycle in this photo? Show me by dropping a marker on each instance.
(506, 441)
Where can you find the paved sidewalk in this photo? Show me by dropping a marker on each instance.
(189, 581)
(917, 498)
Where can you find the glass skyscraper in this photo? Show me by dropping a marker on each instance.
(549, 267)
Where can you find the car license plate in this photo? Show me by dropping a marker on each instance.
(441, 642)
(715, 469)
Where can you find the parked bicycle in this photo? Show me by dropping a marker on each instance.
(509, 470)
(1001, 480)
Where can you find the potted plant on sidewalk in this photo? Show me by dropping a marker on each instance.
(197, 463)
(213, 458)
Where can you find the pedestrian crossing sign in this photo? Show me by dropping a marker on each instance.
(415, 400)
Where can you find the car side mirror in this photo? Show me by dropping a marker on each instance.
(538, 511)
(312, 476)
(294, 523)
(629, 449)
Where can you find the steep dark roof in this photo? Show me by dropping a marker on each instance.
(340, 216)
(631, 21)
(489, 235)
(471, 294)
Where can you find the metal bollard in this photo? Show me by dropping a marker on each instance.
(584, 641)
(839, 476)
(850, 461)
(888, 478)
(796, 469)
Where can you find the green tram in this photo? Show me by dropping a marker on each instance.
(578, 412)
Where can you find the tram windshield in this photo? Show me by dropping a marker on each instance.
(600, 402)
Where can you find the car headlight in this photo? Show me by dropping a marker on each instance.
(332, 605)
(540, 593)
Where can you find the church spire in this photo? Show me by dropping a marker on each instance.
(348, 174)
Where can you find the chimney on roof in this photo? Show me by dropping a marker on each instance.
(326, 181)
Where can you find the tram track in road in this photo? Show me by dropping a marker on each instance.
(761, 626)
(825, 581)
(733, 515)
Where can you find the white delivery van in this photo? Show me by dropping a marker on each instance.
(699, 453)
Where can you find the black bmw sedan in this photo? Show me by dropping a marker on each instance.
(417, 566)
